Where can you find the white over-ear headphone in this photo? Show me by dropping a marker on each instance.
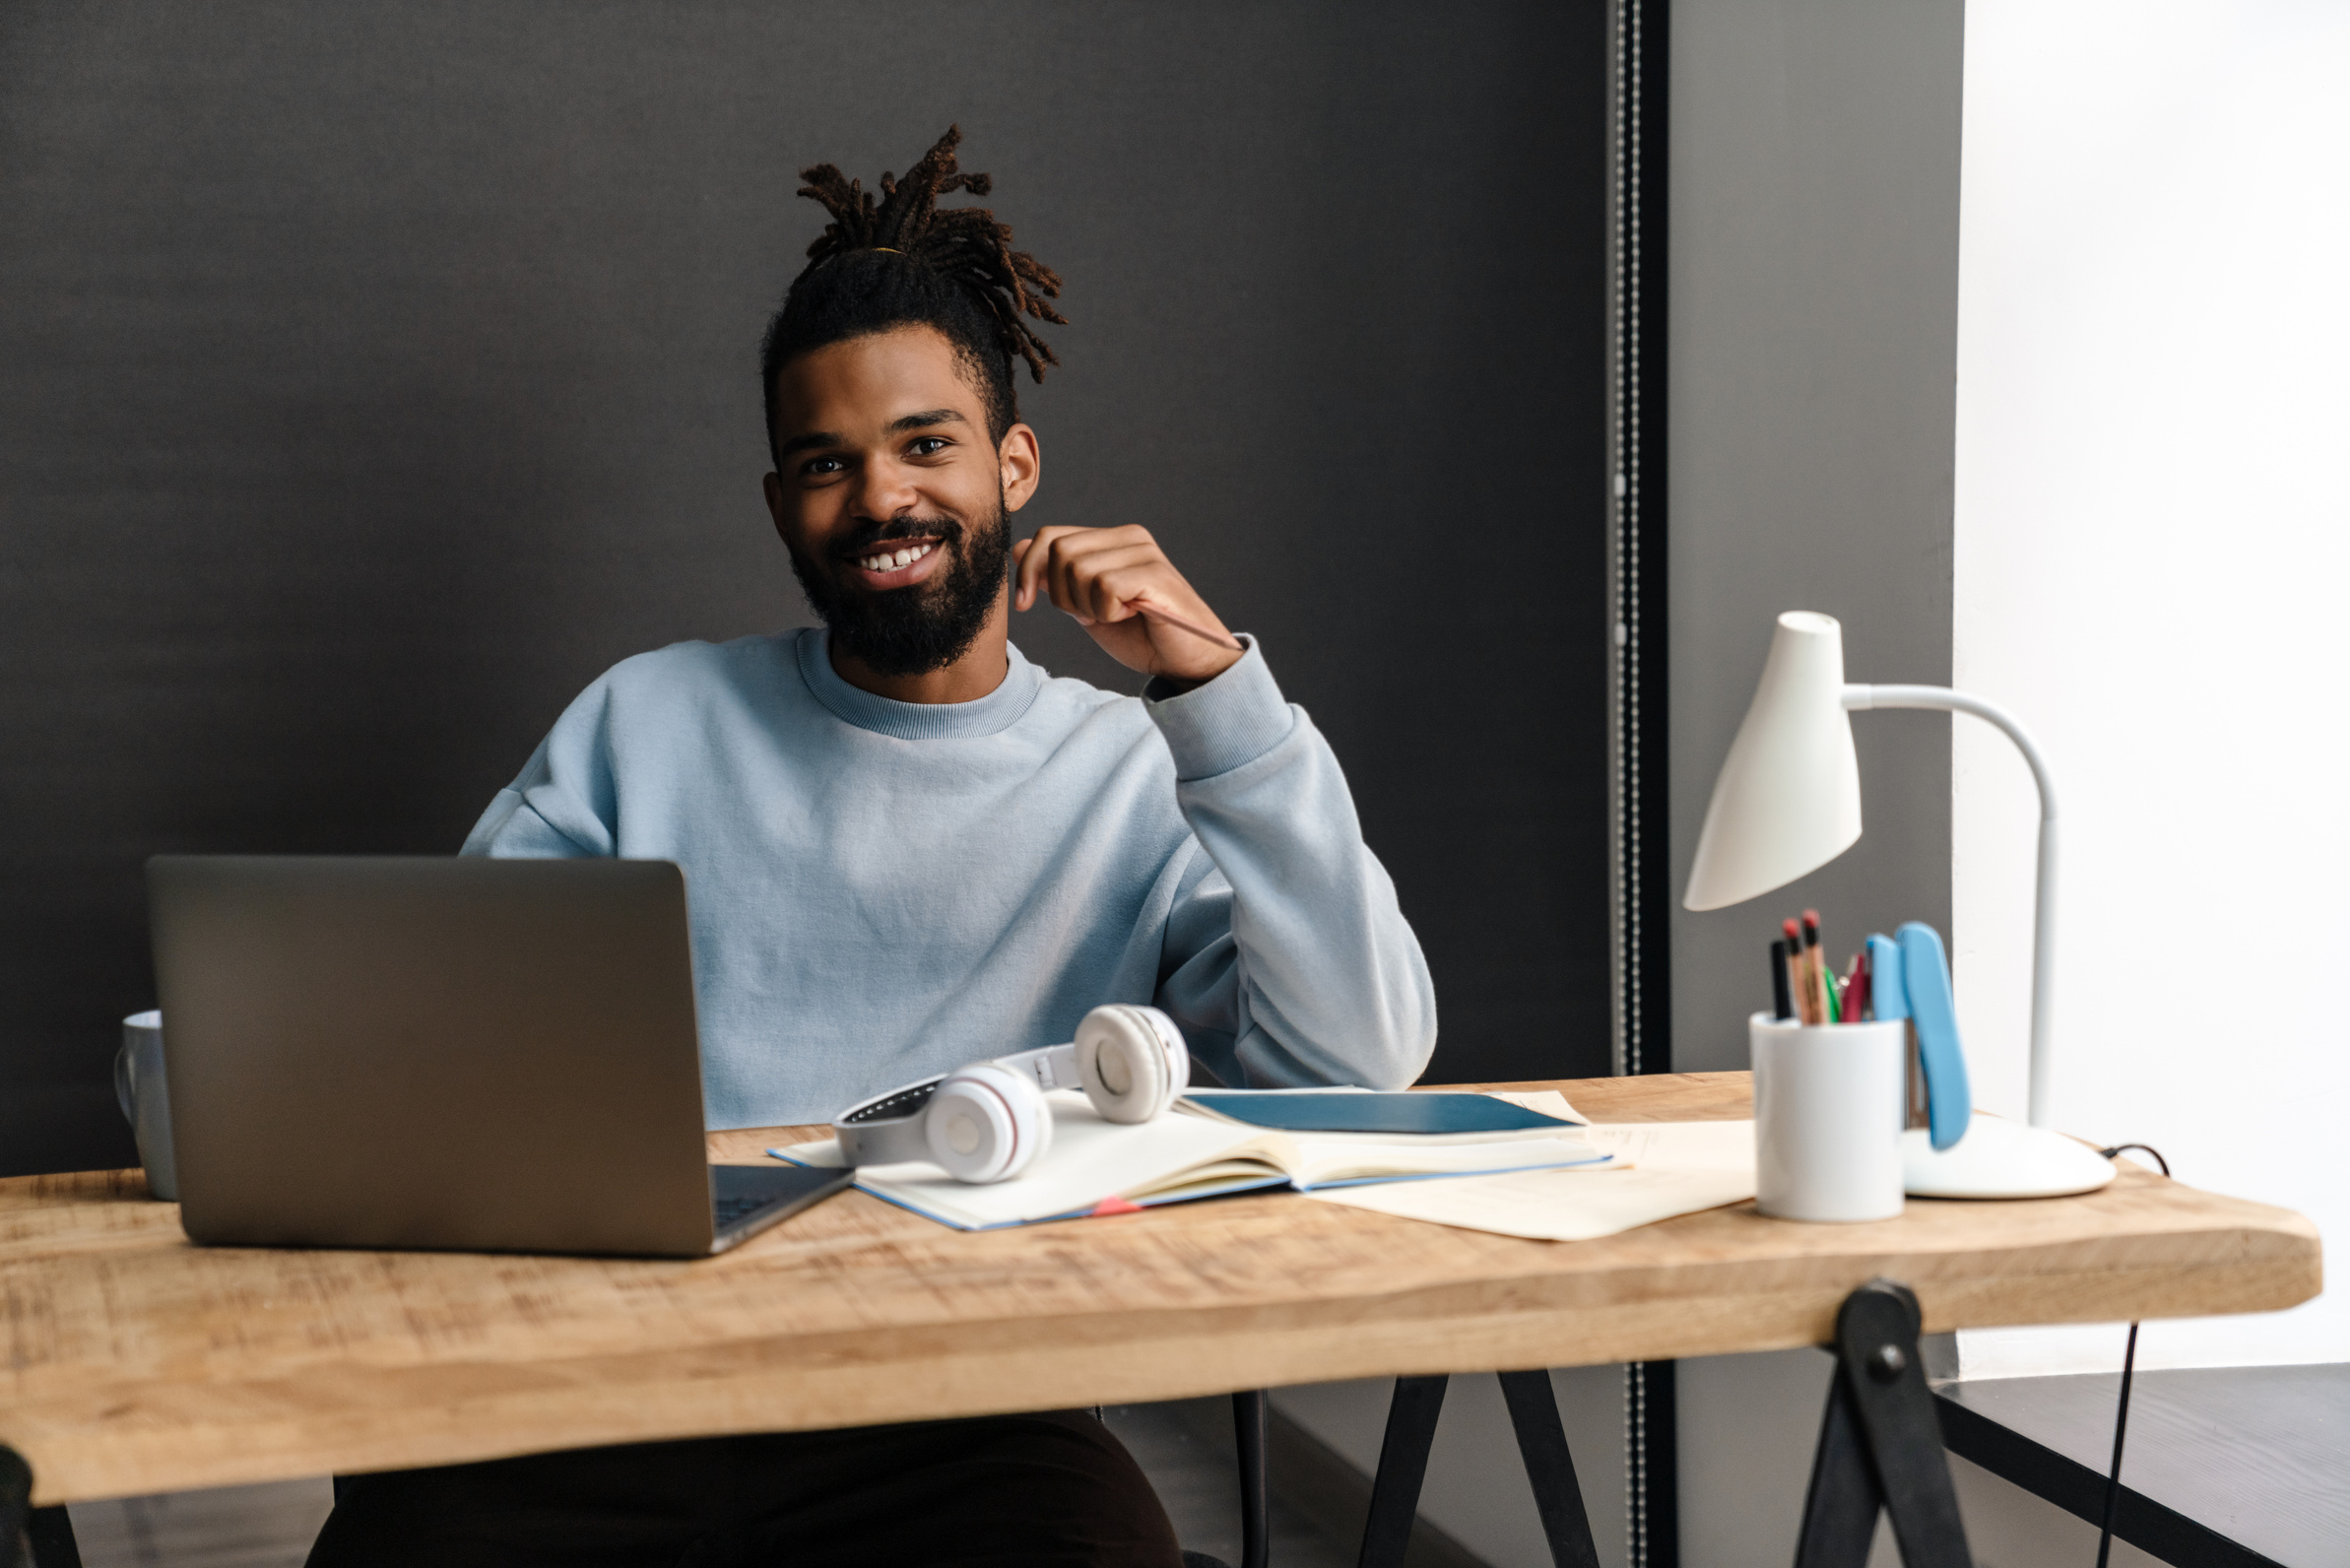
(990, 1121)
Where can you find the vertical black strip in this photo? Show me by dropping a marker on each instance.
(1644, 935)
(1644, 861)
(1657, 1535)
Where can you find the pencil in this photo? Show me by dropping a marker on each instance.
(1816, 967)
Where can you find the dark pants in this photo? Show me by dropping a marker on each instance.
(1054, 1489)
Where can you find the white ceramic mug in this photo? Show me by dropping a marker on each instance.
(138, 1089)
(1830, 1101)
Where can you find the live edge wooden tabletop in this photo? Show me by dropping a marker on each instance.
(137, 1363)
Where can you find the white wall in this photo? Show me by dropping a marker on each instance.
(2152, 554)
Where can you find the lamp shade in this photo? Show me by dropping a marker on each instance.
(1788, 800)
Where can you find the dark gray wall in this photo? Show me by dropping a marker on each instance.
(371, 378)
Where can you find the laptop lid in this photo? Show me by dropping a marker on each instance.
(427, 1053)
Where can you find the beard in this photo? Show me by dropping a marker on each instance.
(907, 631)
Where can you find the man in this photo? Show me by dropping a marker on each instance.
(908, 849)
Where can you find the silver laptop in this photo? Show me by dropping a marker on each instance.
(479, 1055)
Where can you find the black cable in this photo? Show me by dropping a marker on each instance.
(2129, 1360)
(2113, 1481)
(2143, 1148)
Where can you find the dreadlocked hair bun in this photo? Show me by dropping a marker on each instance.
(901, 261)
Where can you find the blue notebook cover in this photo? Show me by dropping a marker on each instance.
(1354, 1111)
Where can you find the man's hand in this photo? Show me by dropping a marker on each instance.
(1112, 580)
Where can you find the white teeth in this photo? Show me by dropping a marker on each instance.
(892, 560)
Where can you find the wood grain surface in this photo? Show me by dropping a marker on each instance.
(136, 1362)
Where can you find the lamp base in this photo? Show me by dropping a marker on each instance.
(1999, 1158)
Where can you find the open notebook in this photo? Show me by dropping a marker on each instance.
(1101, 1167)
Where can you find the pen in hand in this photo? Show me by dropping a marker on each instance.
(1222, 639)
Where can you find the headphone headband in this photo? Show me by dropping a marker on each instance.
(1130, 1060)
(886, 1130)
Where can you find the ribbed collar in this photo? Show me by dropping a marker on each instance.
(998, 710)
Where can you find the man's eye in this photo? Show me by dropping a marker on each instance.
(816, 467)
(928, 445)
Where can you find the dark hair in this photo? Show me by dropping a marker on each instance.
(906, 263)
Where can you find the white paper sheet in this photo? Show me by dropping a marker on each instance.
(1674, 1168)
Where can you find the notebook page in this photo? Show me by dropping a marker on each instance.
(1346, 1157)
(1091, 1158)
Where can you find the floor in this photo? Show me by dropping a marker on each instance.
(233, 1527)
(1186, 1448)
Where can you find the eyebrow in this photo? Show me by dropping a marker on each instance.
(815, 439)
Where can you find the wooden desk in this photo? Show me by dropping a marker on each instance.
(137, 1363)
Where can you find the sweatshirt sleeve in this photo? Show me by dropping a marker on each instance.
(551, 811)
(1285, 938)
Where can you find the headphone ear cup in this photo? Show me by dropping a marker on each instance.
(987, 1123)
(1131, 1060)
(1178, 1051)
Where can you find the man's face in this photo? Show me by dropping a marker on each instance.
(894, 505)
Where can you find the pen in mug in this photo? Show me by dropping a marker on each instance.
(1796, 977)
(1816, 967)
(1782, 1006)
(1856, 988)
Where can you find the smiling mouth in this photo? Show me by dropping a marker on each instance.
(897, 559)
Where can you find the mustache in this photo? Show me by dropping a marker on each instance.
(861, 540)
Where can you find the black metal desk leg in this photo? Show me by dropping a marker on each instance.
(1549, 1468)
(1402, 1466)
(1880, 1445)
(16, 1507)
(29, 1535)
(1840, 1511)
(51, 1533)
(1249, 1421)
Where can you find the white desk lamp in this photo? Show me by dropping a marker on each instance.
(1788, 801)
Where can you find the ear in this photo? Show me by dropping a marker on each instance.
(1017, 466)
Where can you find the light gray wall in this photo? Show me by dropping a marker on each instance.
(1813, 373)
(1812, 344)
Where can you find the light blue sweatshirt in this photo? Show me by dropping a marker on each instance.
(881, 890)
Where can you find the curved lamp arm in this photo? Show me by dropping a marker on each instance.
(1860, 698)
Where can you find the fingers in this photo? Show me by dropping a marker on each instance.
(1119, 585)
(1064, 562)
(1031, 556)
(1096, 585)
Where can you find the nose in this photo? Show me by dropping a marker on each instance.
(884, 489)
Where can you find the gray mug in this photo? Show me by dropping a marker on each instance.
(140, 1090)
